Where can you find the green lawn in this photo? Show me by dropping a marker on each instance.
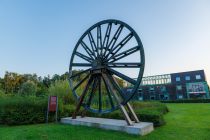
(184, 122)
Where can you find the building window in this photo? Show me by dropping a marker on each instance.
(164, 97)
(198, 77)
(140, 98)
(180, 96)
(177, 79)
(151, 88)
(139, 90)
(140, 94)
(179, 87)
(187, 78)
(152, 97)
(163, 89)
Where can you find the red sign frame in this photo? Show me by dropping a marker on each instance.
(53, 103)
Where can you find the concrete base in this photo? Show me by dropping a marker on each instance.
(141, 128)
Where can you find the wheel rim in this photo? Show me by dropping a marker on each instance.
(100, 50)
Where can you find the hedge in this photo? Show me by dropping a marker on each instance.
(31, 110)
(188, 101)
(146, 111)
(23, 110)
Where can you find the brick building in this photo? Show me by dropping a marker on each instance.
(183, 85)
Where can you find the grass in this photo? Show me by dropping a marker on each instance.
(184, 122)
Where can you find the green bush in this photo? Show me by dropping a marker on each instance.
(22, 110)
(151, 112)
(61, 89)
(188, 101)
(41, 90)
(2, 94)
(15, 110)
(28, 88)
(146, 111)
(150, 106)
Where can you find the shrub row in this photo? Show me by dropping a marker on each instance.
(146, 111)
(22, 110)
(188, 101)
(30, 110)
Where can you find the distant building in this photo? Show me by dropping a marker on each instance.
(175, 86)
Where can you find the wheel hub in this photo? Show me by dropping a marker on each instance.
(98, 63)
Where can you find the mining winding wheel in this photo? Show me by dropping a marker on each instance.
(106, 55)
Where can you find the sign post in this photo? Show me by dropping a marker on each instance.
(52, 106)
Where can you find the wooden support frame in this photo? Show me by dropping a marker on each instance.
(108, 81)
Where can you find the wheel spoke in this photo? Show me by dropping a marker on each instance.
(117, 87)
(123, 54)
(87, 49)
(120, 45)
(124, 65)
(81, 64)
(79, 83)
(81, 98)
(108, 92)
(99, 40)
(79, 73)
(87, 86)
(124, 77)
(92, 92)
(99, 92)
(114, 39)
(106, 38)
(92, 43)
(84, 57)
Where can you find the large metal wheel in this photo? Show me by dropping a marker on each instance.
(109, 49)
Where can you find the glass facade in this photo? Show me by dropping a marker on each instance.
(173, 86)
(156, 80)
(197, 89)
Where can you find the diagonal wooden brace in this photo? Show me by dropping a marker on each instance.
(82, 98)
(116, 97)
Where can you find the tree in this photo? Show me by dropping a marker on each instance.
(41, 89)
(31, 77)
(1, 84)
(61, 89)
(12, 82)
(28, 88)
(55, 77)
(119, 81)
(2, 93)
(47, 81)
(64, 76)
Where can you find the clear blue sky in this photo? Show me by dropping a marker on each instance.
(38, 36)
